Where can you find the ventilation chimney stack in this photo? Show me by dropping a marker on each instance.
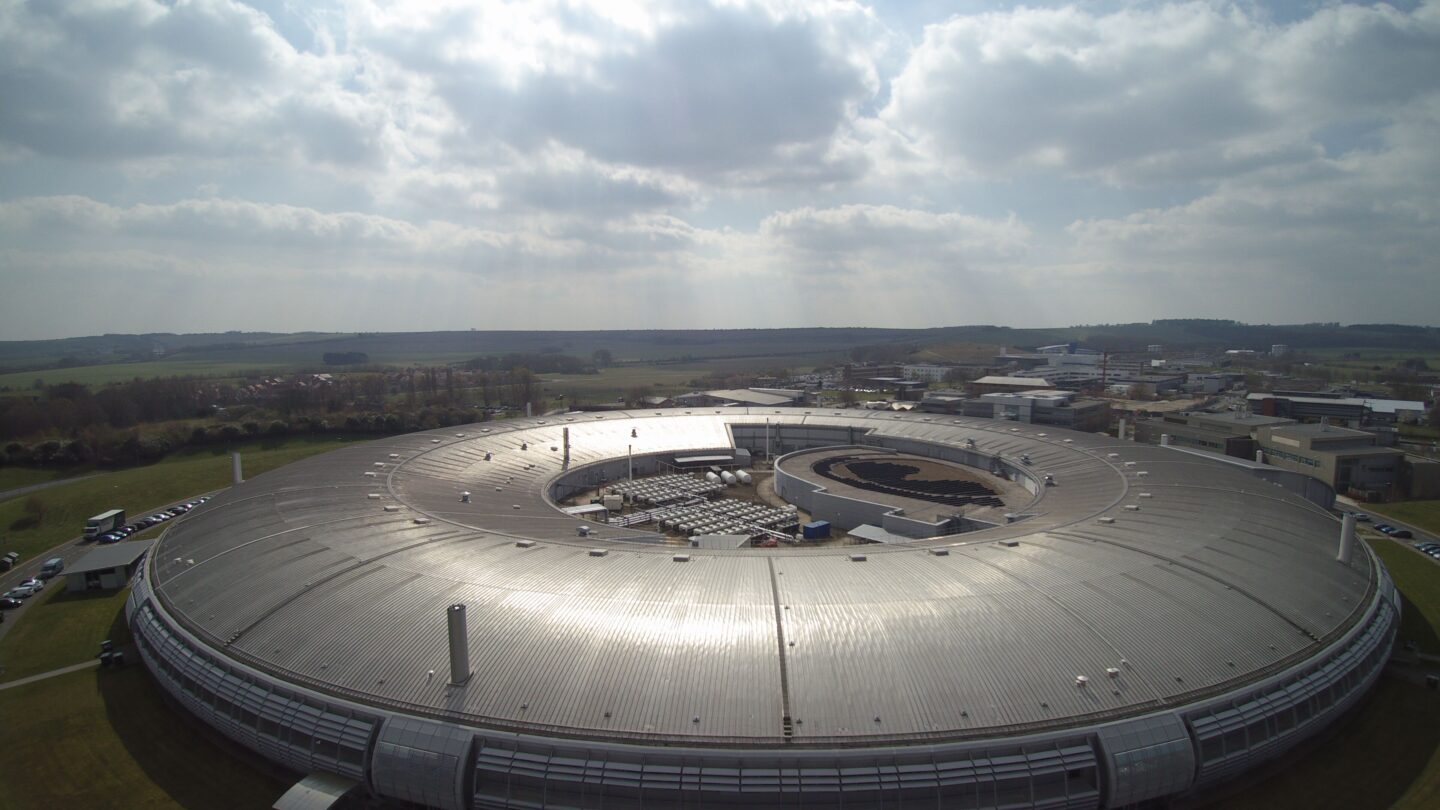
(567, 447)
(459, 645)
(1347, 538)
(235, 476)
(1259, 456)
(1164, 439)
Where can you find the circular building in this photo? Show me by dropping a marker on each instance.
(1137, 623)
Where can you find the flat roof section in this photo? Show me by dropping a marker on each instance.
(112, 556)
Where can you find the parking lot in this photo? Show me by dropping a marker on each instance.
(17, 596)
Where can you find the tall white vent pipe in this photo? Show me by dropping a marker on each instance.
(1347, 538)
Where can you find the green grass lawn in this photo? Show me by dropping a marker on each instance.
(1418, 578)
(17, 477)
(1425, 514)
(59, 629)
(105, 739)
(142, 489)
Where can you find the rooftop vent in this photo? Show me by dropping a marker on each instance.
(392, 509)
(394, 455)
(524, 543)
(1113, 672)
(583, 531)
(599, 552)
(1146, 495)
(374, 496)
(465, 497)
(1106, 520)
(940, 552)
(434, 441)
(1081, 680)
(379, 464)
(1009, 543)
(1132, 507)
(681, 558)
(421, 521)
(857, 558)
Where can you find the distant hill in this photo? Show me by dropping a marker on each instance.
(307, 349)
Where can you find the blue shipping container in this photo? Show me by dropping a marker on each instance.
(818, 530)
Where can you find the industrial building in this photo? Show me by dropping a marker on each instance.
(1065, 409)
(1348, 460)
(416, 620)
(1354, 412)
(1230, 434)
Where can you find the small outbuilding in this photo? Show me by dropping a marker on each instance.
(107, 567)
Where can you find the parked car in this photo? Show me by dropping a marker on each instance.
(1362, 517)
(20, 592)
(1401, 534)
(34, 583)
(6, 603)
(1426, 545)
(1384, 527)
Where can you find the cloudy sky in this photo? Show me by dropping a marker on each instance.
(290, 165)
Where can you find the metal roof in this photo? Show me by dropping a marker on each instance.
(104, 558)
(335, 572)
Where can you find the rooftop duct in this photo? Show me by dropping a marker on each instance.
(459, 645)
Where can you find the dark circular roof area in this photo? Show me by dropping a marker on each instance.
(1184, 575)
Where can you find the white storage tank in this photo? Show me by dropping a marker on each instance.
(712, 478)
(744, 477)
(729, 478)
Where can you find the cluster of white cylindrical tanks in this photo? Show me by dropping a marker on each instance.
(666, 489)
(725, 516)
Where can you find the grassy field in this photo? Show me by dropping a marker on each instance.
(17, 477)
(1425, 514)
(143, 489)
(105, 739)
(57, 630)
(1418, 578)
(96, 376)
